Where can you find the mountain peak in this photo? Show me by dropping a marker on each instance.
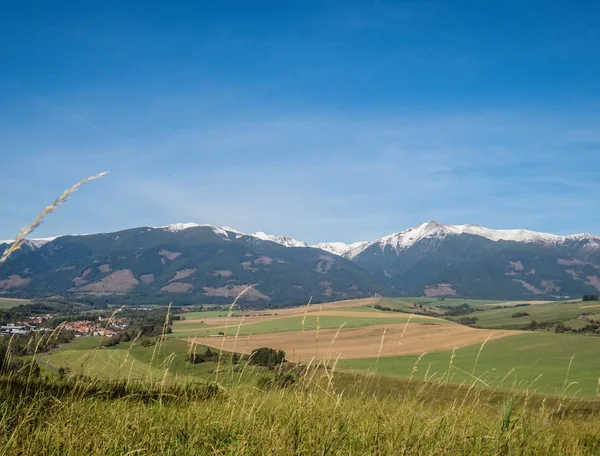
(33, 243)
(174, 227)
(434, 229)
(339, 248)
(283, 240)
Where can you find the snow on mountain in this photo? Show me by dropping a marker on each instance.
(174, 227)
(283, 240)
(222, 231)
(37, 243)
(435, 230)
(33, 243)
(339, 248)
(398, 241)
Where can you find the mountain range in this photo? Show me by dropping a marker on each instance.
(192, 263)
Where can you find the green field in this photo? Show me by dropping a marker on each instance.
(8, 303)
(149, 363)
(450, 302)
(293, 323)
(411, 304)
(539, 361)
(541, 313)
(206, 314)
(102, 363)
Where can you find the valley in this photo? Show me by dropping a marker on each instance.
(414, 338)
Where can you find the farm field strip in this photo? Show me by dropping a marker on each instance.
(449, 302)
(298, 323)
(368, 313)
(285, 312)
(9, 303)
(553, 311)
(546, 363)
(515, 303)
(382, 340)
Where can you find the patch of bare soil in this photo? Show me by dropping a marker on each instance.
(147, 278)
(177, 287)
(79, 281)
(233, 292)
(121, 281)
(441, 289)
(222, 273)
(104, 268)
(594, 281)
(183, 274)
(570, 262)
(168, 255)
(263, 260)
(13, 281)
(516, 265)
(325, 264)
(529, 287)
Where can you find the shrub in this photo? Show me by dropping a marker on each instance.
(533, 325)
(196, 358)
(267, 357)
(467, 320)
(561, 328)
(519, 314)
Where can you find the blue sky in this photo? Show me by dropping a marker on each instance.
(319, 120)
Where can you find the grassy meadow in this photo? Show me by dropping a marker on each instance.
(322, 412)
(565, 311)
(530, 393)
(549, 364)
(9, 303)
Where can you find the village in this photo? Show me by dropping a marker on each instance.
(103, 326)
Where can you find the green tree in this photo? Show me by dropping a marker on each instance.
(267, 357)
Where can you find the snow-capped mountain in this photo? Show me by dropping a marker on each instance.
(184, 263)
(222, 231)
(430, 258)
(398, 241)
(283, 240)
(434, 230)
(226, 231)
(473, 260)
(339, 248)
(32, 243)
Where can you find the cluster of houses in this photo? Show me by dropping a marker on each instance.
(101, 327)
(32, 323)
(11, 329)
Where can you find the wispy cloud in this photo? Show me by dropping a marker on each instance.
(337, 177)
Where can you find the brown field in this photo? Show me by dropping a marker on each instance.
(365, 342)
